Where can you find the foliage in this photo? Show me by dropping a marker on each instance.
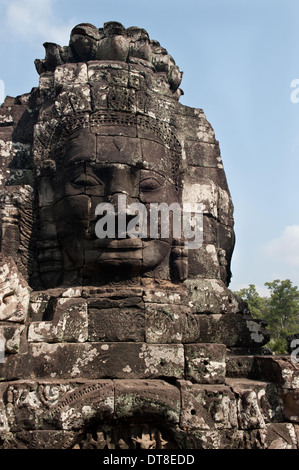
(280, 310)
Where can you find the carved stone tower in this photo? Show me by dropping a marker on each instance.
(124, 342)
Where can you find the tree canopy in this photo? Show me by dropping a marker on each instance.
(280, 310)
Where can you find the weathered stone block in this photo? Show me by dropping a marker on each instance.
(241, 366)
(112, 300)
(212, 296)
(42, 305)
(4, 426)
(203, 263)
(118, 149)
(258, 403)
(203, 153)
(69, 74)
(50, 440)
(102, 360)
(11, 368)
(23, 405)
(205, 193)
(290, 399)
(208, 407)
(273, 436)
(169, 323)
(116, 324)
(166, 296)
(63, 405)
(280, 370)
(279, 436)
(195, 126)
(12, 337)
(15, 292)
(81, 405)
(69, 324)
(8, 441)
(147, 398)
(235, 330)
(74, 97)
(205, 363)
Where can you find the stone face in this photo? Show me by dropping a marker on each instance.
(117, 327)
(105, 100)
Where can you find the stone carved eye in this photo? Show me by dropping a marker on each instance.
(92, 181)
(86, 180)
(8, 297)
(150, 184)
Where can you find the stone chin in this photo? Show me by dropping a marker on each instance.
(133, 255)
(154, 253)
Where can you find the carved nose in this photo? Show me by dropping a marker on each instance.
(113, 198)
(120, 201)
(122, 181)
(123, 216)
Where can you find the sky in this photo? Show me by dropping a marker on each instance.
(240, 60)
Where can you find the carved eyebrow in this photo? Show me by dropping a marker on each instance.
(151, 173)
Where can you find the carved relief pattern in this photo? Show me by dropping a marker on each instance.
(130, 436)
(121, 342)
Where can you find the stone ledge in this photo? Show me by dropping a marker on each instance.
(106, 360)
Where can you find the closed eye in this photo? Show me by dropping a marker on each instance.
(86, 180)
(150, 184)
(7, 297)
(92, 181)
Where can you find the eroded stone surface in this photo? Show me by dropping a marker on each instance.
(205, 363)
(14, 294)
(123, 342)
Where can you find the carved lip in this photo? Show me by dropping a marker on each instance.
(124, 244)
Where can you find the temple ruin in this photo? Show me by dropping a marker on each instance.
(124, 343)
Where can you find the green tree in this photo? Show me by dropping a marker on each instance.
(283, 308)
(257, 304)
(280, 310)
